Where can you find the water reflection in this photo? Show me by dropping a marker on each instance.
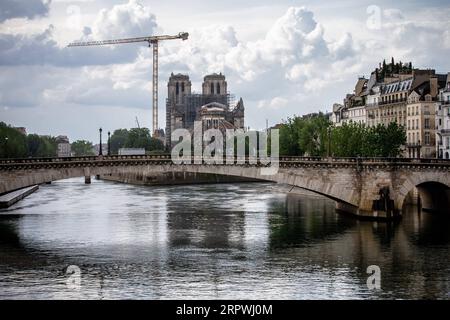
(212, 241)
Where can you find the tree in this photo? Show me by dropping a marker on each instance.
(118, 140)
(82, 148)
(13, 143)
(354, 139)
(289, 138)
(41, 146)
(134, 138)
(390, 139)
(34, 143)
(138, 138)
(306, 135)
(313, 136)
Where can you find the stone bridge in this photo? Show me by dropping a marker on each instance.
(367, 187)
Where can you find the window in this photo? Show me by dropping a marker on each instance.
(218, 88)
(409, 124)
(427, 138)
(182, 87)
(427, 123)
(177, 88)
(212, 88)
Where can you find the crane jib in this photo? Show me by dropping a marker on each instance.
(152, 39)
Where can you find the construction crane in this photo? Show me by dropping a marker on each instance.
(137, 122)
(152, 42)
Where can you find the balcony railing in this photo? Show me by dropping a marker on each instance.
(445, 131)
(413, 145)
(391, 101)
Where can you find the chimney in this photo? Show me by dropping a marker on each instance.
(434, 87)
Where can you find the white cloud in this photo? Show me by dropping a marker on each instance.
(30, 9)
(131, 19)
(275, 103)
(299, 65)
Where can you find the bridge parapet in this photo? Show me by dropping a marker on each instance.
(292, 161)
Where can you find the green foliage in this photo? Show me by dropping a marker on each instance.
(393, 68)
(134, 138)
(118, 140)
(13, 143)
(356, 139)
(305, 136)
(308, 136)
(82, 148)
(41, 146)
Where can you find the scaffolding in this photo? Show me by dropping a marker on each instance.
(191, 107)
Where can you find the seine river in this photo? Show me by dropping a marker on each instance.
(228, 241)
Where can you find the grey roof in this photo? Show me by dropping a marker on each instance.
(397, 86)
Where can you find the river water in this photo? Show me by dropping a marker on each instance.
(219, 241)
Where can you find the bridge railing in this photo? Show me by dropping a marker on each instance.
(82, 158)
(165, 158)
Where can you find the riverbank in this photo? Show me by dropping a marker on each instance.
(11, 198)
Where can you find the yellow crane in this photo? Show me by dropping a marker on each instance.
(152, 42)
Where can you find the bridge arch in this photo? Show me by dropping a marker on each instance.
(433, 191)
(310, 178)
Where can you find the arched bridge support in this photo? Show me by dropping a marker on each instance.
(370, 188)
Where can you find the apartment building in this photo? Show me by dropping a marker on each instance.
(398, 93)
(443, 121)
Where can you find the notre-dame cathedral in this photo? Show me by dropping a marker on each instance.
(214, 107)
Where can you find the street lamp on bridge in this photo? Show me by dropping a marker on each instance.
(100, 149)
(6, 147)
(109, 143)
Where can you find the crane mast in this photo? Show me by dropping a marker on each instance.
(153, 41)
(155, 88)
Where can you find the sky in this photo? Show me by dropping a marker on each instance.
(283, 58)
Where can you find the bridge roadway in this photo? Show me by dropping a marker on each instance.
(367, 187)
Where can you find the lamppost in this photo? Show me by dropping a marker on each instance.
(6, 147)
(109, 143)
(100, 150)
(329, 142)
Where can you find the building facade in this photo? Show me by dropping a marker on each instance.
(214, 106)
(398, 93)
(421, 129)
(443, 121)
(63, 146)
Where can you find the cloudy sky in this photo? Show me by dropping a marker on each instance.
(283, 58)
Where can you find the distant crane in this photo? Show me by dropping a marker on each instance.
(137, 122)
(152, 42)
